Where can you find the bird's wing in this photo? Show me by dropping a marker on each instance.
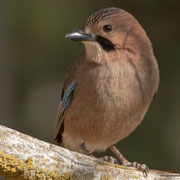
(66, 98)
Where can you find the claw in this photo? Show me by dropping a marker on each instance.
(141, 167)
(109, 159)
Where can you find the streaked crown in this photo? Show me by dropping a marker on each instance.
(102, 15)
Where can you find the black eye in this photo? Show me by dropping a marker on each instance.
(107, 28)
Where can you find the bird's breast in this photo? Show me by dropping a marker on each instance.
(108, 99)
(108, 94)
(111, 84)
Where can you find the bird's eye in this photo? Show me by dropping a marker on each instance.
(107, 28)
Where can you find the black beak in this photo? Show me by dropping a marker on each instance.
(80, 35)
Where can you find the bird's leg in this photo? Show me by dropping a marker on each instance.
(85, 150)
(125, 162)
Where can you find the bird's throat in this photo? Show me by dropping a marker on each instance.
(94, 52)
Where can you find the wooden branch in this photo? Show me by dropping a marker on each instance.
(25, 157)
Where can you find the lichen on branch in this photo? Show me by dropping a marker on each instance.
(24, 157)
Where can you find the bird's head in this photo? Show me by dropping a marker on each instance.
(109, 31)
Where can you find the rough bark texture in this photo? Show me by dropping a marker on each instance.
(25, 157)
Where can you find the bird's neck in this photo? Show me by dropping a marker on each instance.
(95, 53)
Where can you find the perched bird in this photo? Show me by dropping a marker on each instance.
(109, 88)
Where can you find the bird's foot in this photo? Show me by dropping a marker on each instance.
(140, 167)
(109, 159)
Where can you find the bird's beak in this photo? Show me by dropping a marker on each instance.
(80, 35)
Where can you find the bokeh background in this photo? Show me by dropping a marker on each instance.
(34, 56)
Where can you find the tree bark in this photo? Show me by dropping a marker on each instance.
(25, 157)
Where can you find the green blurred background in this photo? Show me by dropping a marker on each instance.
(34, 56)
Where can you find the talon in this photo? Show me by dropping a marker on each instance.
(109, 159)
(140, 167)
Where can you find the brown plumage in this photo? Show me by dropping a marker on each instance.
(116, 77)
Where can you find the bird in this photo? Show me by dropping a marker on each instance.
(109, 87)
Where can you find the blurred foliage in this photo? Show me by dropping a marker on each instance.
(34, 56)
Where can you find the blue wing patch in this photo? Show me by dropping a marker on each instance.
(68, 95)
